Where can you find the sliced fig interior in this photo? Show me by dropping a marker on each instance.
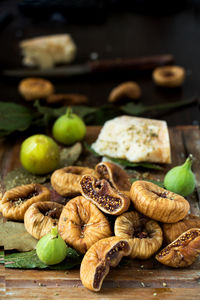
(98, 191)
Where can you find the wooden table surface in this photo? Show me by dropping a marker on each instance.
(138, 280)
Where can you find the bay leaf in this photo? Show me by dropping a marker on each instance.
(20, 176)
(13, 235)
(30, 260)
(69, 155)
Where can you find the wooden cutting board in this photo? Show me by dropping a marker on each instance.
(138, 280)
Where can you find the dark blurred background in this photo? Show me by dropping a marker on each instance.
(109, 29)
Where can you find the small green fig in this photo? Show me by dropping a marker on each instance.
(181, 179)
(69, 128)
(51, 249)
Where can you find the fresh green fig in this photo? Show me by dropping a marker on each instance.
(69, 128)
(181, 179)
(51, 249)
(39, 154)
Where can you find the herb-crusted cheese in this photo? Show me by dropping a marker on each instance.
(134, 139)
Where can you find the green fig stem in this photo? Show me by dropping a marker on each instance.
(54, 232)
(188, 163)
(69, 112)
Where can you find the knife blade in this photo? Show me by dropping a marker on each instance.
(99, 66)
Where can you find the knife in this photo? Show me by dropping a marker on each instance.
(99, 66)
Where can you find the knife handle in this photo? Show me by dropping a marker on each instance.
(134, 64)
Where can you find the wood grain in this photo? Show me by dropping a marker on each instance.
(139, 279)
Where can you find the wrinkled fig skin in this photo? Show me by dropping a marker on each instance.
(99, 258)
(82, 224)
(183, 251)
(174, 230)
(16, 201)
(40, 217)
(116, 176)
(157, 203)
(106, 198)
(125, 90)
(144, 235)
(65, 181)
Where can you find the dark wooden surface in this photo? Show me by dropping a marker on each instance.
(123, 34)
(140, 279)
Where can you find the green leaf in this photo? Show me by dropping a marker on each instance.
(125, 163)
(1, 257)
(159, 183)
(137, 109)
(82, 111)
(30, 260)
(14, 117)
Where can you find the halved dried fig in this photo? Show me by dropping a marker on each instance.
(172, 231)
(105, 197)
(116, 176)
(82, 224)
(183, 251)
(144, 235)
(65, 181)
(99, 258)
(40, 217)
(157, 203)
(16, 201)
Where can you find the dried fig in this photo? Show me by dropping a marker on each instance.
(99, 258)
(67, 99)
(129, 89)
(106, 198)
(183, 251)
(157, 203)
(35, 88)
(116, 176)
(66, 180)
(172, 231)
(82, 224)
(169, 76)
(40, 217)
(16, 201)
(144, 235)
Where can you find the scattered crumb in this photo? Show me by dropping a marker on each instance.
(41, 284)
(142, 266)
(142, 283)
(94, 56)
(164, 284)
(154, 294)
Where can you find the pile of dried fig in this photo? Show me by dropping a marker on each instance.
(145, 216)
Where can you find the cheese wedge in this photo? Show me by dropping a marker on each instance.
(134, 139)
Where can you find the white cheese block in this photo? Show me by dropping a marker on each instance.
(46, 51)
(134, 139)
